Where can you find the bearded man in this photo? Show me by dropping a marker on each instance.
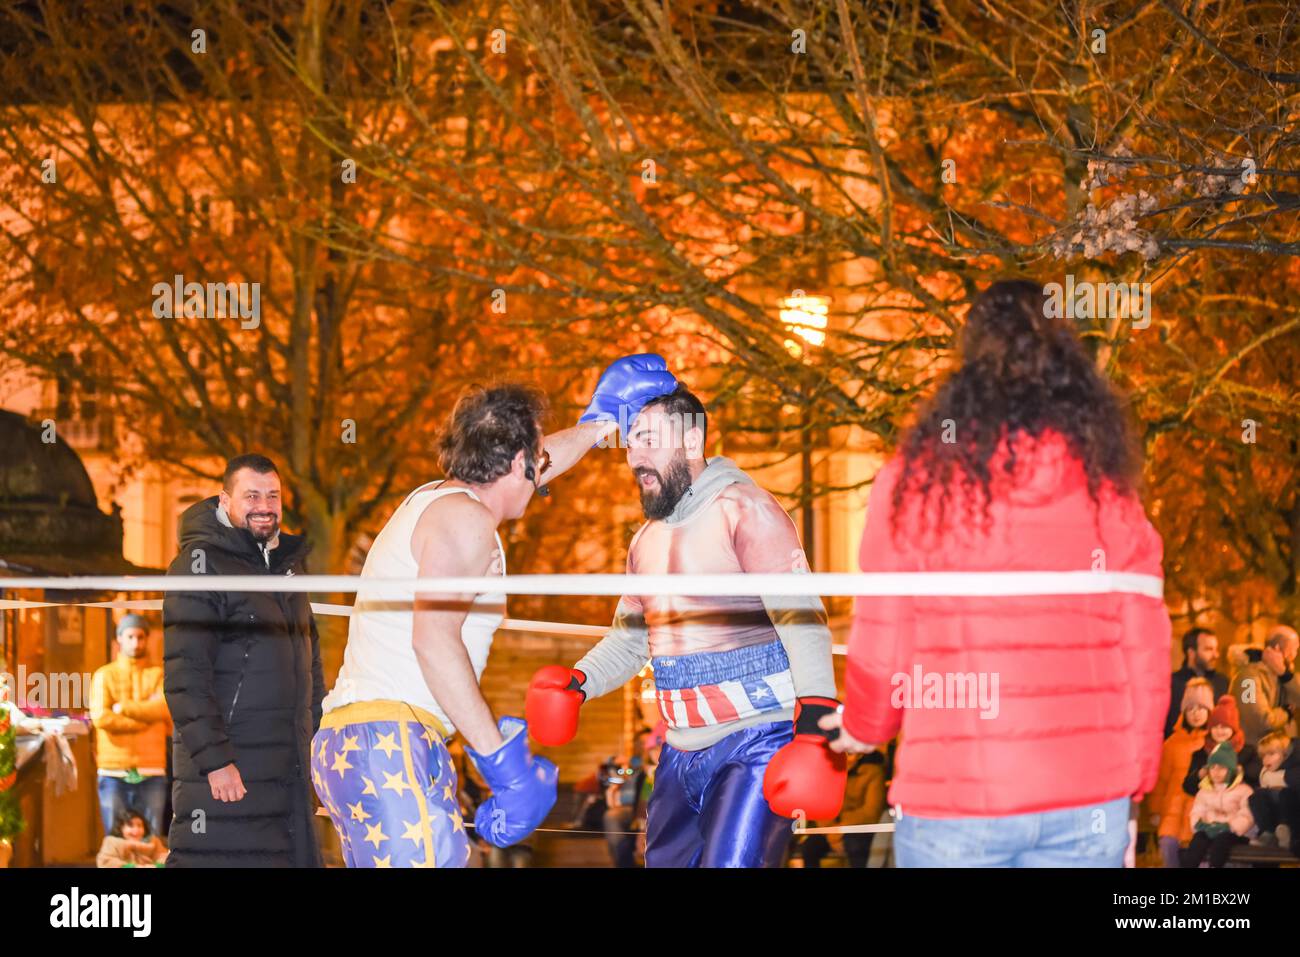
(242, 679)
(742, 681)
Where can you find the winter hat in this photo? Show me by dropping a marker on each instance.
(1224, 755)
(133, 621)
(1199, 693)
(1225, 712)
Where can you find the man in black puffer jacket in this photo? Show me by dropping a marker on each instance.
(242, 678)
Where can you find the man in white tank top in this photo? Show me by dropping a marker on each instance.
(411, 668)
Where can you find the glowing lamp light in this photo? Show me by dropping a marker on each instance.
(806, 317)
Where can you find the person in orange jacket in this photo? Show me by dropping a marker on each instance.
(1168, 805)
(132, 724)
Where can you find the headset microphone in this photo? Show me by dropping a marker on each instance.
(545, 490)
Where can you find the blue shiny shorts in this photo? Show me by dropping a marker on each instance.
(707, 808)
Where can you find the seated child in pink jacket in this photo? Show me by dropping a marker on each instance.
(1221, 812)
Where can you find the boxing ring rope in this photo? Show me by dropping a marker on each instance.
(829, 584)
(825, 584)
(318, 608)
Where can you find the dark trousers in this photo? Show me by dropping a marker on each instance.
(1216, 849)
(1273, 806)
(813, 848)
(857, 848)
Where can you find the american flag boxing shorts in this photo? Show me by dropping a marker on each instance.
(715, 687)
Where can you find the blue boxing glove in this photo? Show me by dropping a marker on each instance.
(626, 386)
(523, 787)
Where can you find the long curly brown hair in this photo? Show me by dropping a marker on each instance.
(1022, 373)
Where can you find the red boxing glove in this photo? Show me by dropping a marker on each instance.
(551, 706)
(806, 778)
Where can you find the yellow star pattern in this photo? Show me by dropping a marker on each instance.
(432, 773)
(387, 744)
(395, 782)
(375, 834)
(414, 832)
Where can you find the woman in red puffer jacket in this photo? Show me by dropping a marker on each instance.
(1022, 461)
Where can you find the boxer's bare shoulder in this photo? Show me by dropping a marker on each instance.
(746, 501)
(455, 523)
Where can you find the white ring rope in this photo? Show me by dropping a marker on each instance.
(845, 829)
(318, 608)
(903, 584)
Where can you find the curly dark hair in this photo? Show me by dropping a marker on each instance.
(1022, 373)
(487, 428)
(125, 817)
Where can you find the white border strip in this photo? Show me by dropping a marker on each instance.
(846, 829)
(905, 584)
(342, 611)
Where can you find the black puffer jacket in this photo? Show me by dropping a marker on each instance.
(242, 677)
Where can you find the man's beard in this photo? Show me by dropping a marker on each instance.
(672, 485)
(265, 535)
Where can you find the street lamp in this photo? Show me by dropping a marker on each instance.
(805, 317)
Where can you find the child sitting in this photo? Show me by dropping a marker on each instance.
(1275, 806)
(1220, 814)
(130, 844)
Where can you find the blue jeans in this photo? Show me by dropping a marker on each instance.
(148, 797)
(1092, 835)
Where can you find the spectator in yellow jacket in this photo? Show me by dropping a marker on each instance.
(132, 724)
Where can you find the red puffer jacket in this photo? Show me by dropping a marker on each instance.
(1082, 681)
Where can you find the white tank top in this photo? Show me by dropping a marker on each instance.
(379, 661)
